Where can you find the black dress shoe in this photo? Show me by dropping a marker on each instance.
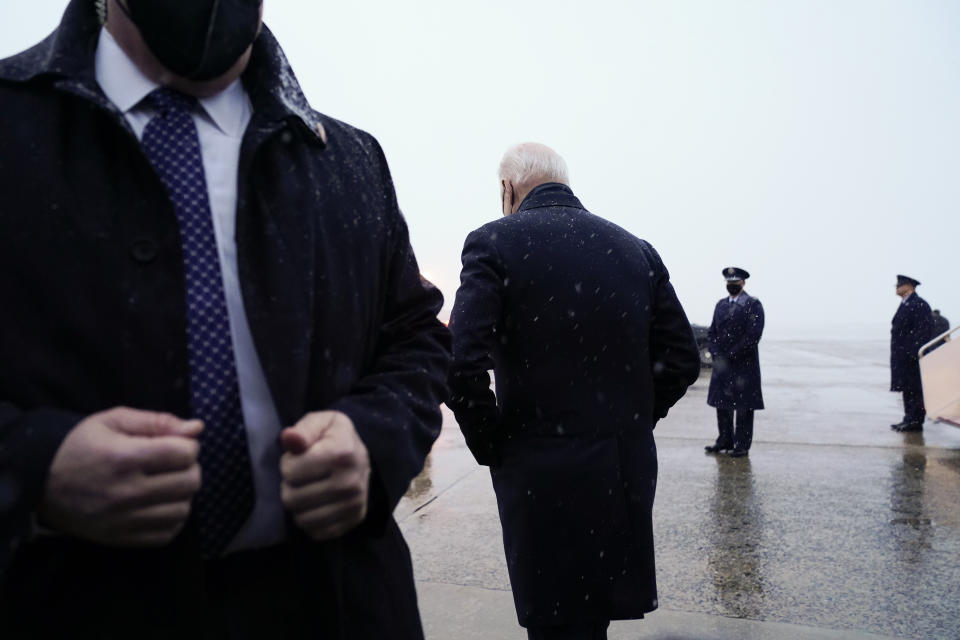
(896, 427)
(738, 453)
(910, 427)
(715, 448)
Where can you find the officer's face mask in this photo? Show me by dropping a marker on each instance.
(734, 288)
(196, 39)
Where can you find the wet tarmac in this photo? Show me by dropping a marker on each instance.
(834, 527)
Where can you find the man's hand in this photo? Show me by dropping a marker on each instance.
(124, 477)
(326, 474)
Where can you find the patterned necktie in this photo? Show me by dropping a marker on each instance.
(226, 496)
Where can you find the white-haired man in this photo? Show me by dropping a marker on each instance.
(590, 347)
(173, 289)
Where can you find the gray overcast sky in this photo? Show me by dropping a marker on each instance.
(815, 143)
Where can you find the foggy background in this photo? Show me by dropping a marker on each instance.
(815, 143)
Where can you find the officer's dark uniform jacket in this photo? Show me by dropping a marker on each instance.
(912, 328)
(734, 338)
(590, 347)
(92, 288)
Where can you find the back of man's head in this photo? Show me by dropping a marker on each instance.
(530, 164)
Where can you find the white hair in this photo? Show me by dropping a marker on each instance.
(531, 163)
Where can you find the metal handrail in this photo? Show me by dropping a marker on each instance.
(940, 337)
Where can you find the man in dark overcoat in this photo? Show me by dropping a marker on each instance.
(590, 347)
(911, 329)
(735, 380)
(221, 367)
(940, 325)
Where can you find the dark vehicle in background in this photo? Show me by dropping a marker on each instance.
(703, 344)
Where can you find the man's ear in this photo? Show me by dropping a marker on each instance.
(507, 195)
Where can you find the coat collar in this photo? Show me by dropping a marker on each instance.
(66, 59)
(912, 301)
(742, 300)
(275, 91)
(550, 194)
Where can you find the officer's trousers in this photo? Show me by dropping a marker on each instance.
(914, 411)
(742, 437)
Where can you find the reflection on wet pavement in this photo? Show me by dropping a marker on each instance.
(911, 525)
(734, 538)
(833, 522)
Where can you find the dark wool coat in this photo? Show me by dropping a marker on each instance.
(939, 326)
(590, 347)
(92, 284)
(912, 328)
(734, 335)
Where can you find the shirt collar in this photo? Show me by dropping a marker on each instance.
(122, 82)
(126, 86)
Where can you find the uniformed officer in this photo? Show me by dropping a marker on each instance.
(735, 382)
(912, 328)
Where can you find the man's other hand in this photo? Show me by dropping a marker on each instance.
(124, 477)
(326, 474)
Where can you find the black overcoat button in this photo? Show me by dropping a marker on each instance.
(143, 250)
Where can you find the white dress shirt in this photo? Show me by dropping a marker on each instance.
(220, 126)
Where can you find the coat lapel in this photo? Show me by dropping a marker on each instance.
(276, 236)
(275, 254)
